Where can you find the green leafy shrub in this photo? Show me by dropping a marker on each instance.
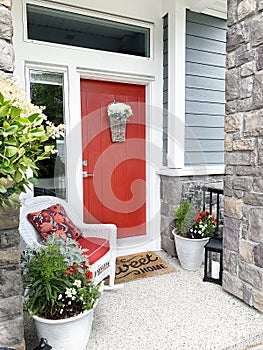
(184, 218)
(24, 132)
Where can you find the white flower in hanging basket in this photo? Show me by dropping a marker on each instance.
(119, 111)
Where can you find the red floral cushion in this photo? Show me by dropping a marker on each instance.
(53, 220)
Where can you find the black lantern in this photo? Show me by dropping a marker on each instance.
(213, 261)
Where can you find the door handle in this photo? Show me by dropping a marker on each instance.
(86, 174)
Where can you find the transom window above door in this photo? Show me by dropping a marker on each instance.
(68, 28)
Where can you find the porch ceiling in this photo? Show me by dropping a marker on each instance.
(212, 7)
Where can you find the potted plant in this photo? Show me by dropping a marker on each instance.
(192, 231)
(60, 293)
(24, 132)
(118, 114)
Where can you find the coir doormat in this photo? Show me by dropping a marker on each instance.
(141, 265)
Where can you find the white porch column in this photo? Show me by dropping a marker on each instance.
(176, 84)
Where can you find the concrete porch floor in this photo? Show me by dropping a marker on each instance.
(176, 311)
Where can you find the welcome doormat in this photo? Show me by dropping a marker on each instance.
(141, 265)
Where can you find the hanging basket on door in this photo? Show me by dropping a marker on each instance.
(118, 114)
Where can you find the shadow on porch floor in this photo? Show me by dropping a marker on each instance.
(176, 311)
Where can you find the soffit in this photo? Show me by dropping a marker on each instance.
(217, 8)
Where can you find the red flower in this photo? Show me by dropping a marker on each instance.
(70, 270)
(88, 274)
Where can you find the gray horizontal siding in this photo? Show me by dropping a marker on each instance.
(209, 145)
(204, 158)
(204, 95)
(193, 81)
(204, 133)
(205, 108)
(204, 44)
(205, 89)
(200, 30)
(207, 58)
(215, 121)
(204, 70)
(210, 21)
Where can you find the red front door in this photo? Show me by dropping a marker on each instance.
(114, 186)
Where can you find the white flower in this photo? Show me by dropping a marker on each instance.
(119, 110)
(12, 91)
(60, 296)
(77, 283)
(69, 292)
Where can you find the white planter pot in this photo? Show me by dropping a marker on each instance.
(190, 251)
(70, 333)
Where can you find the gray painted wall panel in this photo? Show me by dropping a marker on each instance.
(195, 158)
(208, 145)
(204, 19)
(204, 108)
(214, 121)
(200, 29)
(204, 44)
(205, 96)
(204, 70)
(205, 83)
(205, 133)
(208, 58)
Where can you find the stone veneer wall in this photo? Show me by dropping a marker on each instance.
(243, 185)
(11, 308)
(173, 190)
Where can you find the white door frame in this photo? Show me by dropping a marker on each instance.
(75, 147)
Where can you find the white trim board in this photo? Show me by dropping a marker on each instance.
(191, 171)
(120, 77)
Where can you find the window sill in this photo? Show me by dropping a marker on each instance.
(193, 171)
